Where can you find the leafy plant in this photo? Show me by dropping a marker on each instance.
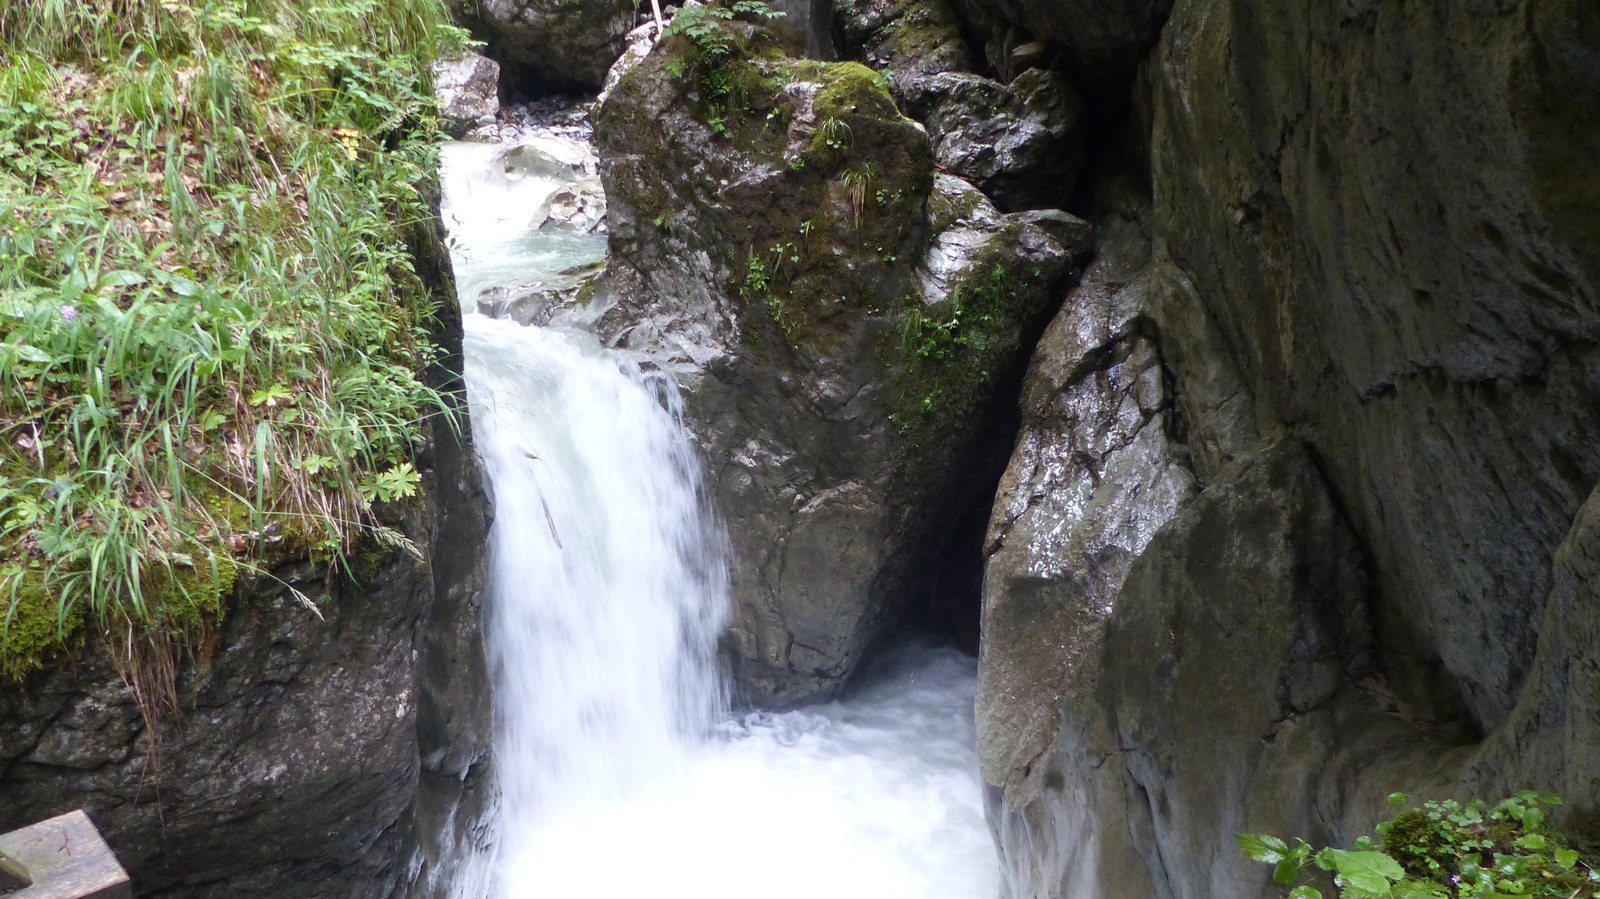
(702, 24)
(1443, 850)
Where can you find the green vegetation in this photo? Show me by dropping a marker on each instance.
(1443, 850)
(703, 24)
(947, 356)
(210, 326)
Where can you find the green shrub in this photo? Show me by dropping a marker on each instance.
(210, 326)
(1443, 850)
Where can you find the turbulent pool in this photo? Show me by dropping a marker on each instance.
(622, 772)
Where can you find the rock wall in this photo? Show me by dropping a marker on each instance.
(335, 751)
(546, 44)
(1371, 297)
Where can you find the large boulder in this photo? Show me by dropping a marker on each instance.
(907, 40)
(558, 42)
(1021, 142)
(769, 246)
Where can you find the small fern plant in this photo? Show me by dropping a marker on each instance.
(702, 24)
(1443, 850)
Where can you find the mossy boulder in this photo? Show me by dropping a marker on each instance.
(771, 247)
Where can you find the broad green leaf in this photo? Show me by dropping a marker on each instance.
(1397, 798)
(29, 353)
(1287, 872)
(1566, 858)
(121, 278)
(1305, 892)
(1531, 841)
(1369, 871)
(1263, 847)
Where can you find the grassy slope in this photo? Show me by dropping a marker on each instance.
(210, 329)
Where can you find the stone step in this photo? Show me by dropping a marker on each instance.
(65, 858)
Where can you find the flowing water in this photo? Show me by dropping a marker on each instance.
(622, 774)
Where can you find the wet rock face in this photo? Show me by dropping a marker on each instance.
(1400, 278)
(769, 246)
(562, 42)
(1367, 233)
(1099, 40)
(335, 751)
(1020, 142)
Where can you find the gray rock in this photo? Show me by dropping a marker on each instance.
(1094, 475)
(1239, 674)
(777, 262)
(639, 43)
(1406, 291)
(466, 90)
(549, 156)
(908, 40)
(1373, 256)
(560, 41)
(1021, 143)
(565, 295)
(579, 207)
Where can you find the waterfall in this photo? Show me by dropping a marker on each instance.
(607, 578)
(621, 774)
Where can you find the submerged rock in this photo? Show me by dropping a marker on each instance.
(578, 207)
(566, 293)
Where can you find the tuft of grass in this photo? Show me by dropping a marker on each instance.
(211, 329)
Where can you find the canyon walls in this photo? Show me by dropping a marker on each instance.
(1372, 289)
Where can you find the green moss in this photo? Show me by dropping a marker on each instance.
(951, 353)
(36, 627)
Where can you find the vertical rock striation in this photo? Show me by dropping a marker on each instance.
(1372, 295)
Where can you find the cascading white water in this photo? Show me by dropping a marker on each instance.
(620, 775)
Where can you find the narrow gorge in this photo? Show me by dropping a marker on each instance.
(880, 448)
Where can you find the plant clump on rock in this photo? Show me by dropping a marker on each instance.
(1444, 850)
(212, 328)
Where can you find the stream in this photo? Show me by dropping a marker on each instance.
(622, 771)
